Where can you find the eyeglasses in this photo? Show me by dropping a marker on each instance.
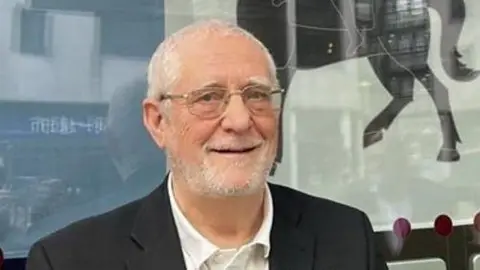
(212, 102)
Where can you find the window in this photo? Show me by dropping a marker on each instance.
(405, 42)
(406, 87)
(418, 4)
(421, 39)
(391, 7)
(33, 33)
(130, 33)
(402, 5)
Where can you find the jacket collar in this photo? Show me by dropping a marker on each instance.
(155, 243)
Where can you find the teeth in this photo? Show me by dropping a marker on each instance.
(234, 150)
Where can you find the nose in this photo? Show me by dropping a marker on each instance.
(236, 117)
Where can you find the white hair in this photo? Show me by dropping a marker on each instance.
(164, 67)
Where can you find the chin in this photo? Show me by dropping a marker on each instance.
(230, 184)
(235, 191)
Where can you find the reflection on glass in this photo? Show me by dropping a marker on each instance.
(72, 143)
(383, 136)
(397, 77)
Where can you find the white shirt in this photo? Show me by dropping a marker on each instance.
(201, 254)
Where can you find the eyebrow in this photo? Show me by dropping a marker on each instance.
(256, 80)
(210, 84)
(259, 80)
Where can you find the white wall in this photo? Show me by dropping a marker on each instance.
(72, 71)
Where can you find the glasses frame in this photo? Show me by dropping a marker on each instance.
(189, 105)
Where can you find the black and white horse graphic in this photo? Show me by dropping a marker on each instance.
(307, 34)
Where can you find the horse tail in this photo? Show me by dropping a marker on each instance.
(452, 14)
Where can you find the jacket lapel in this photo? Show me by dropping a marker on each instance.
(292, 248)
(155, 242)
(294, 245)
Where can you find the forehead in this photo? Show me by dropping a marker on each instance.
(225, 60)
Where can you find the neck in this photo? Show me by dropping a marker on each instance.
(227, 222)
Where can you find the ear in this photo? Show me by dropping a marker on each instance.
(154, 120)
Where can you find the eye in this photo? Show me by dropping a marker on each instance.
(257, 94)
(206, 96)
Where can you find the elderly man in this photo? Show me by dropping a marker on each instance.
(213, 106)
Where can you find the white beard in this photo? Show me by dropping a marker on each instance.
(210, 180)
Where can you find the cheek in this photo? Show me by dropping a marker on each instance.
(268, 128)
(189, 136)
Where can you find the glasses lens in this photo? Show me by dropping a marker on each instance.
(261, 99)
(207, 102)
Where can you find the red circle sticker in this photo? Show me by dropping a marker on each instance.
(402, 228)
(443, 225)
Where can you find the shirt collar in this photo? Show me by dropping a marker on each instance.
(198, 248)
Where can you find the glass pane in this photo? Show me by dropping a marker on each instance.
(72, 142)
(381, 112)
(375, 113)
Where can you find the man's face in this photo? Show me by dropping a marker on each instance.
(192, 142)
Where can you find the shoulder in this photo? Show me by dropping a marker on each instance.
(93, 238)
(337, 228)
(315, 211)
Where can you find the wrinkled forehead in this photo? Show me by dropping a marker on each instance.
(228, 61)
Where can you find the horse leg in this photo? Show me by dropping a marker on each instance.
(452, 14)
(374, 130)
(439, 94)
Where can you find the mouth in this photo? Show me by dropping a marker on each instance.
(234, 151)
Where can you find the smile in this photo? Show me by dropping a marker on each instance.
(234, 151)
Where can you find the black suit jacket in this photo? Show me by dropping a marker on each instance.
(308, 233)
